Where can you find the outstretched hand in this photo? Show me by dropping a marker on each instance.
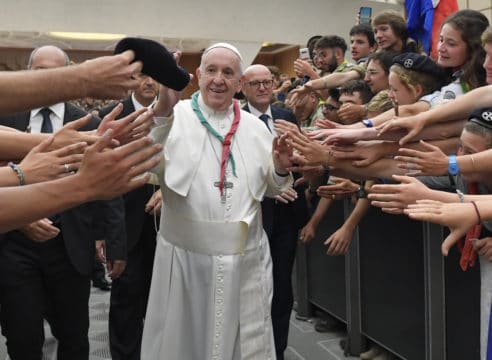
(338, 187)
(313, 152)
(110, 77)
(40, 164)
(282, 154)
(394, 198)
(283, 126)
(131, 127)
(413, 124)
(459, 217)
(432, 162)
(106, 173)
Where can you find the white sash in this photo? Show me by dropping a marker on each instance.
(203, 237)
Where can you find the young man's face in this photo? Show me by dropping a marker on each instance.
(359, 47)
(325, 59)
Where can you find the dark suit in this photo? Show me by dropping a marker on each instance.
(49, 279)
(129, 293)
(282, 223)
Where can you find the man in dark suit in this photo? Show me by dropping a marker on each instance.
(130, 292)
(281, 221)
(45, 266)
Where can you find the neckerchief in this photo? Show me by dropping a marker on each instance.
(226, 142)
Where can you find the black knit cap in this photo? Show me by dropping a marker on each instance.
(157, 62)
(482, 117)
(421, 63)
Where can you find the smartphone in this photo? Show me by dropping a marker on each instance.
(365, 13)
(304, 54)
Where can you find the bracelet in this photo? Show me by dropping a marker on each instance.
(18, 171)
(368, 123)
(476, 210)
(460, 195)
(473, 162)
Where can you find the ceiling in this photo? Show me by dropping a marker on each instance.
(75, 41)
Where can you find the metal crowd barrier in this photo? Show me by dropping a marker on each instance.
(393, 287)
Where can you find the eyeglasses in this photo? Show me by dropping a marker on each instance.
(267, 84)
(330, 107)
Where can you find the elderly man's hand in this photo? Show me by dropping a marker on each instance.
(40, 231)
(154, 204)
(115, 268)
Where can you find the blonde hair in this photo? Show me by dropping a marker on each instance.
(411, 78)
(487, 36)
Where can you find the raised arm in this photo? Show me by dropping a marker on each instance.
(457, 109)
(104, 174)
(103, 77)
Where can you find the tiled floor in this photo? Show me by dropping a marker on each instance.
(304, 342)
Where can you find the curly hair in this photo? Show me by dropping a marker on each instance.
(411, 78)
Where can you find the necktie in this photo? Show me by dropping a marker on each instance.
(46, 126)
(264, 118)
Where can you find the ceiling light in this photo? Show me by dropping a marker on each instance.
(86, 36)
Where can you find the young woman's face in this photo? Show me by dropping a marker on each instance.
(386, 38)
(487, 64)
(376, 77)
(399, 92)
(452, 50)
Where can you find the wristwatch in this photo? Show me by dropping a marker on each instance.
(368, 123)
(453, 167)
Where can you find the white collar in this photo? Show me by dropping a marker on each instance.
(139, 106)
(57, 109)
(257, 112)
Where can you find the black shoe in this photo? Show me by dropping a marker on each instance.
(102, 284)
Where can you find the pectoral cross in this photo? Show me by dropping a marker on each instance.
(227, 185)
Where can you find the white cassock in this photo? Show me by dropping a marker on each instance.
(211, 288)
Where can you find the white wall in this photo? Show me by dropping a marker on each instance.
(287, 21)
